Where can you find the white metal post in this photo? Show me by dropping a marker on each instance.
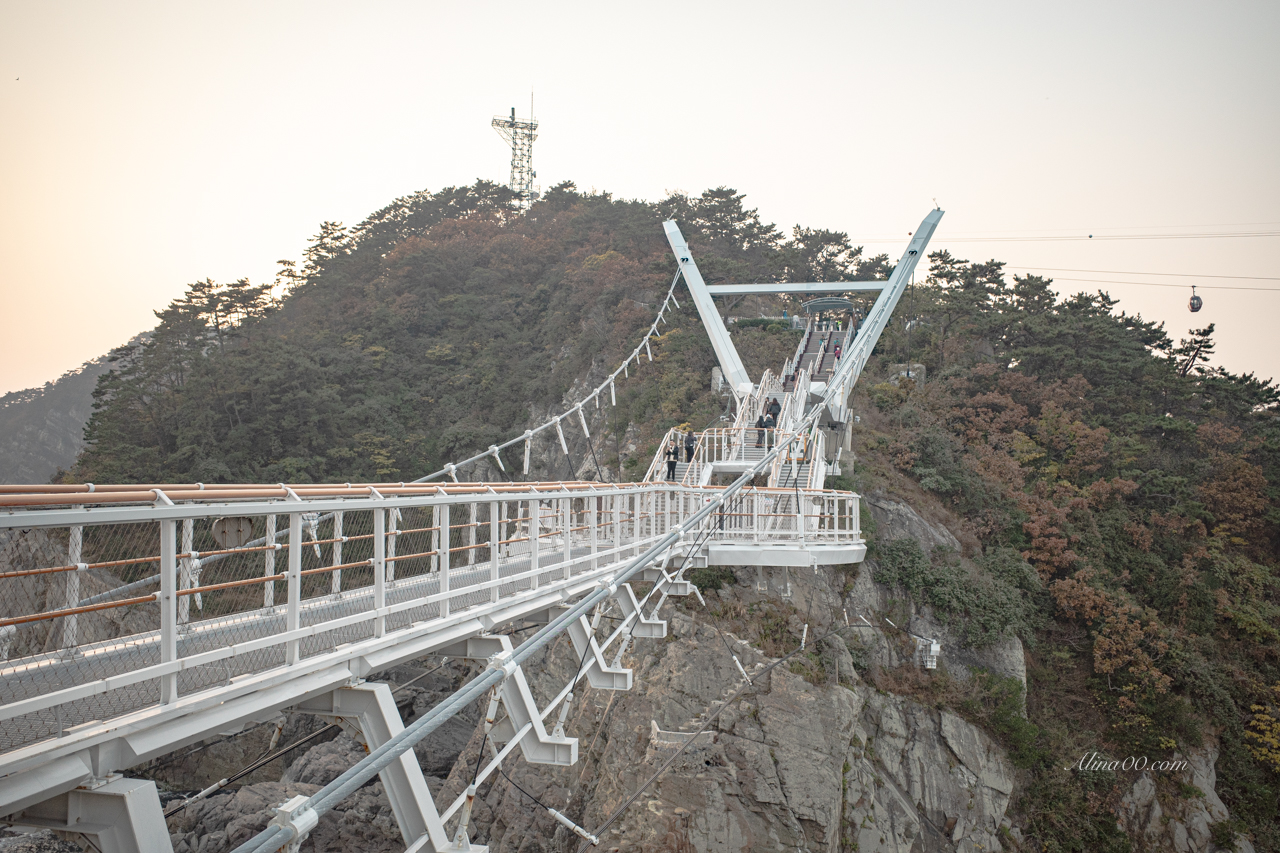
(75, 551)
(185, 570)
(393, 528)
(435, 539)
(495, 536)
(535, 523)
(505, 529)
(471, 534)
(593, 522)
(379, 571)
(269, 564)
(445, 537)
(294, 611)
(168, 607)
(755, 516)
(336, 578)
(566, 521)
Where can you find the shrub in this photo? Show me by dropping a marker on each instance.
(986, 606)
(711, 578)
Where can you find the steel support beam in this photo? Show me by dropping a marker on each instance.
(734, 371)
(372, 707)
(793, 287)
(118, 816)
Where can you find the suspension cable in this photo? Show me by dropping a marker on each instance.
(599, 390)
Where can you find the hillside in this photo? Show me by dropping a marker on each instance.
(42, 429)
(437, 326)
(1096, 491)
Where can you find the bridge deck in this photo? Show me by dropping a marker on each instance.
(132, 671)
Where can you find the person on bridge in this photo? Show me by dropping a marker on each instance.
(672, 456)
(838, 348)
(760, 431)
(769, 423)
(690, 442)
(775, 409)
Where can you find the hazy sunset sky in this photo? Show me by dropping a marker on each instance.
(144, 146)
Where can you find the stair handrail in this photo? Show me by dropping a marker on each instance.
(656, 466)
(704, 447)
(795, 361)
(817, 459)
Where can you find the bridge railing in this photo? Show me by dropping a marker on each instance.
(223, 587)
(770, 388)
(783, 515)
(717, 445)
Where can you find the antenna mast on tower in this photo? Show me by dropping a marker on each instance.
(520, 135)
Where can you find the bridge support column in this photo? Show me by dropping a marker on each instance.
(524, 719)
(371, 708)
(599, 673)
(119, 816)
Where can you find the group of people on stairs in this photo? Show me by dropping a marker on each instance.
(765, 425)
(767, 422)
(672, 453)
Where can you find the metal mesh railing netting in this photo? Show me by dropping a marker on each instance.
(61, 628)
(48, 571)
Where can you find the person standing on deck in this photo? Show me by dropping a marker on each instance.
(769, 423)
(672, 456)
(760, 431)
(690, 442)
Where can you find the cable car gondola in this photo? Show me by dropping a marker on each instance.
(1196, 302)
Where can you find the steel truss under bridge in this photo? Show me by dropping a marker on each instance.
(248, 600)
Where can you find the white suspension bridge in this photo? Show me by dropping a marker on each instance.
(136, 620)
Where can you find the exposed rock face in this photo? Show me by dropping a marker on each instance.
(792, 765)
(945, 784)
(33, 548)
(35, 842)
(321, 764)
(1181, 824)
(896, 520)
(365, 823)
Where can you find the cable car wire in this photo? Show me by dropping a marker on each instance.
(1067, 237)
(1130, 272)
(1169, 284)
(1058, 238)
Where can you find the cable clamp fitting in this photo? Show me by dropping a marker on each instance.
(298, 818)
(502, 663)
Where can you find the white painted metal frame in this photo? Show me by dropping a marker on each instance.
(730, 362)
(793, 287)
(628, 519)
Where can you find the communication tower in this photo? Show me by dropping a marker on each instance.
(520, 135)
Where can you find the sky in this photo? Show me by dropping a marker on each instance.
(145, 146)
